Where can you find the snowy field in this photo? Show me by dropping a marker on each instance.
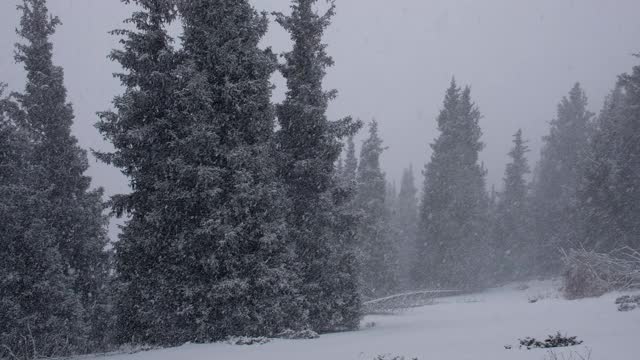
(473, 327)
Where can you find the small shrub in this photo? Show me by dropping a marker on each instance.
(591, 274)
(628, 303)
(244, 340)
(627, 307)
(390, 357)
(626, 299)
(534, 299)
(553, 341)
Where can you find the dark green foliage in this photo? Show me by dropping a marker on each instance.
(609, 192)
(40, 314)
(598, 195)
(377, 249)
(143, 133)
(317, 222)
(236, 276)
(392, 357)
(627, 206)
(205, 255)
(74, 211)
(58, 266)
(451, 244)
(552, 341)
(628, 303)
(556, 180)
(512, 240)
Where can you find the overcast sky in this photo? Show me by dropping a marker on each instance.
(394, 60)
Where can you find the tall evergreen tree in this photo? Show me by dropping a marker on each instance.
(597, 192)
(608, 195)
(376, 248)
(511, 238)
(235, 276)
(405, 223)
(144, 132)
(72, 213)
(310, 145)
(556, 179)
(206, 252)
(40, 314)
(452, 236)
(627, 179)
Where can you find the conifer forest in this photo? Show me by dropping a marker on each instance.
(253, 177)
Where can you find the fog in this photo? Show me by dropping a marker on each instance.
(394, 61)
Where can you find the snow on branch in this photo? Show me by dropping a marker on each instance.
(589, 273)
(404, 300)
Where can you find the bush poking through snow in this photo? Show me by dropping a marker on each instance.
(553, 341)
(245, 340)
(628, 303)
(287, 334)
(627, 307)
(628, 299)
(590, 274)
(534, 299)
(390, 357)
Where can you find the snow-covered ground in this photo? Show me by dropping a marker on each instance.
(473, 327)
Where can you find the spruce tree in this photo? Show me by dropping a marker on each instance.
(597, 194)
(512, 233)
(71, 213)
(378, 254)
(226, 267)
(310, 145)
(40, 314)
(146, 137)
(627, 213)
(451, 244)
(243, 282)
(608, 193)
(556, 180)
(204, 255)
(405, 223)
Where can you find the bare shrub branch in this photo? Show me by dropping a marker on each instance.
(589, 273)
